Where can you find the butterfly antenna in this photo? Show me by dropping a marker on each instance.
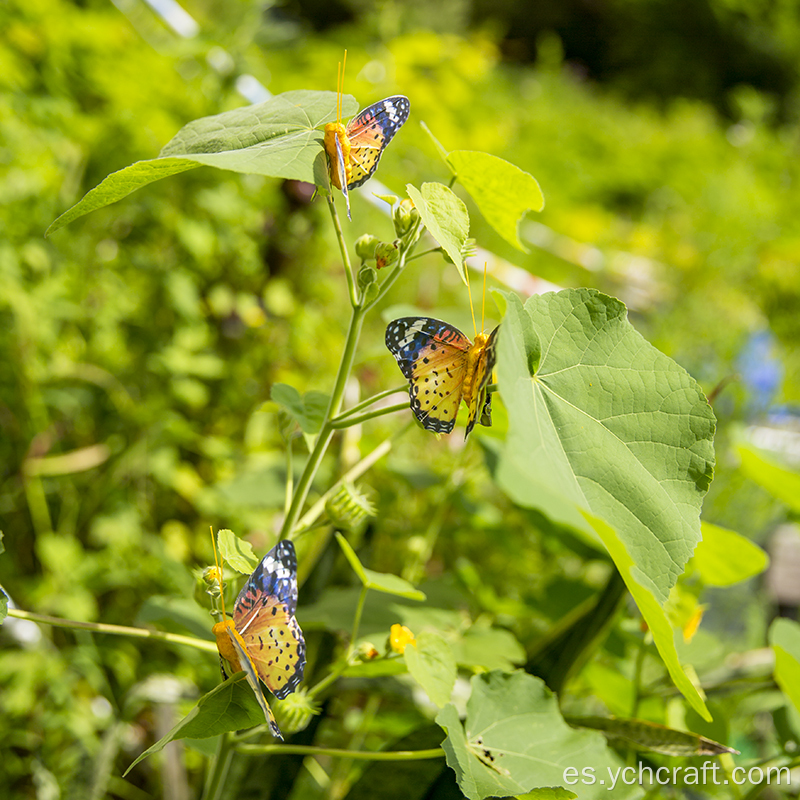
(341, 87)
(219, 574)
(469, 291)
(483, 301)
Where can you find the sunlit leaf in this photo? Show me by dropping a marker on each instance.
(231, 706)
(616, 442)
(502, 191)
(432, 665)
(643, 735)
(445, 216)
(784, 636)
(236, 552)
(514, 740)
(279, 138)
(725, 557)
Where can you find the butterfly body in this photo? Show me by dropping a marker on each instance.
(263, 638)
(443, 368)
(355, 149)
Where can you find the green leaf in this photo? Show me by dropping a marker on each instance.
(236, 552)
(502, 192)
(3, 604)
(445, 216)
(779, 481)
(784, 636)
(430, 662)
(2, 546)
(724, 557)
(548, 793)
(229, 707)
(643, 735)
(607, 426)
(278, 138)
(515, 740)
(380, 581)
(308, 410)
(489, 648)
(611, 438)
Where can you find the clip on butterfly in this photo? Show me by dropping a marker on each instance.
(263, 638)
(443, 368)
(355, 150)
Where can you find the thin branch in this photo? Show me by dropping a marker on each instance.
(116, 630)
(361, 755)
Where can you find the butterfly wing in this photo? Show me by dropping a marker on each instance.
(433, 357)
(264, 617)
(481, 399)
(342, 173)
(247, 665)
(370, 132)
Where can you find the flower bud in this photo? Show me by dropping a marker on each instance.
(367, 652)
(387, 253)
(404, 216)
(295, 711)
(349, 508)
(365, 246)
(367, 275)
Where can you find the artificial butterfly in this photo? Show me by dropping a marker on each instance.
(443, 368)
(263, 638)
(354, 150)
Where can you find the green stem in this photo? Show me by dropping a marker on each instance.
(424, 253)
(370, 401)
(637, 677)
(220, 767)
(289, 477)
(314, 691)
(348, 422)
(398, 268)
(361, 755)
(348, 268)
(355, 472)
(326, 434)
(117, 630)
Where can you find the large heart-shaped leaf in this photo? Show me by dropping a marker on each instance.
(608, 436)
(279, 138)
(514, 739)
(784, 636)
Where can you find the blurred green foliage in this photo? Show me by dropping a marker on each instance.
(138, 349)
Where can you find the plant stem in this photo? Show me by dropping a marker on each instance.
(348, 268)
(327, 431)
(398, 268)
(348, 422)
(352, 474)
(362, 755)
(637, 676)
(370, 401)
(220, 767)
(117, 630)
(424, 253)
(345, 662)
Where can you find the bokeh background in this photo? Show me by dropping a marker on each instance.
(138, 346)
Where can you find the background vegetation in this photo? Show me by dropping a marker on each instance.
(139, 347)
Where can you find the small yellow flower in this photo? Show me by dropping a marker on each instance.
(400, 637)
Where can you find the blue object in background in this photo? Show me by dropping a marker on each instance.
(761, 370)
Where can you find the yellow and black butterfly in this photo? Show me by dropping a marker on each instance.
(443, 367)
(263, 638)
(355, 149)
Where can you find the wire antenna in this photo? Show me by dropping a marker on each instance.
(219, 574)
